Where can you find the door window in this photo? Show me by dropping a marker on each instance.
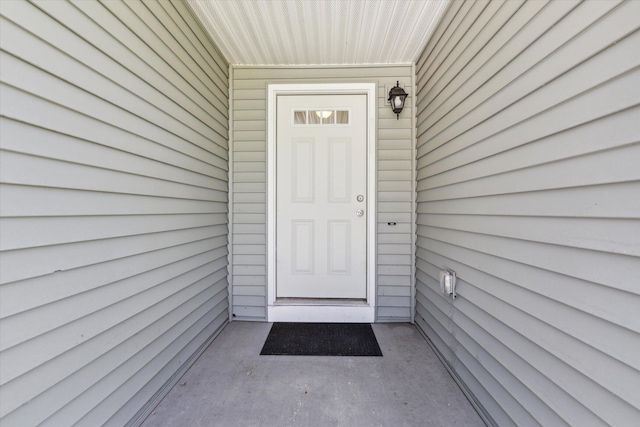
(321, 117)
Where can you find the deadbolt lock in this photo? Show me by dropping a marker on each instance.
(360, 198)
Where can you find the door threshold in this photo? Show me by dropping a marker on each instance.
(321, 301)
(321, 311)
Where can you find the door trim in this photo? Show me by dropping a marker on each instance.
(318, 311)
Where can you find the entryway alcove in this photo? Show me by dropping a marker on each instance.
(139, 209)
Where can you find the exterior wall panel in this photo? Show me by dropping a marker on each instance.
(527, 162)
(114, 186)
(395, 185)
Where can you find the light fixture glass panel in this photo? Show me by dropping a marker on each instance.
(300, 117)
(342, 117)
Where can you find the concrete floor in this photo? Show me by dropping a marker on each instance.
(232, 385)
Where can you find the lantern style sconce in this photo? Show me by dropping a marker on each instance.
(397, 95)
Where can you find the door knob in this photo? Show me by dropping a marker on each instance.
(359, 212)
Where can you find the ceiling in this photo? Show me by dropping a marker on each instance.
(306, 32)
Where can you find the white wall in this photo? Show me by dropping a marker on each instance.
(528, 187)
(114, 130)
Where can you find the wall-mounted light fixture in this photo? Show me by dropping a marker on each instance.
(397, 95)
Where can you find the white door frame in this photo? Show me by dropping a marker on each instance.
(320, 311)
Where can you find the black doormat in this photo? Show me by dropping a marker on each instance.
(321, 339)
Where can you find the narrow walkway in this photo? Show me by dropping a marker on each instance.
(232, 385)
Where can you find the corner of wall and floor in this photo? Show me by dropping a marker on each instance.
(527, 180)
(114, 124)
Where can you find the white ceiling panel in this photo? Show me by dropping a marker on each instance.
(300, 32)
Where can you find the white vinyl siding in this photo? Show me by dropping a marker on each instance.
(528, 154)
(395, 184)
(114, 191)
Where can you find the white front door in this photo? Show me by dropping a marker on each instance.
(321, 197)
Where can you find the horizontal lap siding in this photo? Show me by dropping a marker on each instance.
(395, 185)
(528, 181)
(114, 186)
